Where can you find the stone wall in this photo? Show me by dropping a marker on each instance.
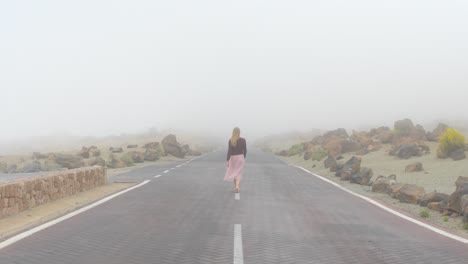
(25, 194)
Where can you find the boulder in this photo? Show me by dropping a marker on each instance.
(455, 199)
(95, 152)
(186, 149)
(38, 155)
(67, 161)
(336, 168)
(334, 147)
(417, 166)
(283, 153)
(97, 161)
(434, 206)
(362, 138)
(418, 133)
(435, 134)
(394, 189)
(115, 163)
(386, 138)
(84, 152)
(408, 151)
(318, 140)
(172, 147)
(410, 193)
(340, 132)
(433, 197)
(362, 177)
(307, 155)
(12, 168)
(137, 157)
(404, 127)
(464, 204)
(151, 145)
(383, 135)
(151, 155)
(116, 150)
(382, 184)
(458, 154)
(132, 146)
(330, 162)
(34, 166)
(345, 175)
(349, 146)
(352, 166)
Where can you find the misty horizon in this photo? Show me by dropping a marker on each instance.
(100, 69)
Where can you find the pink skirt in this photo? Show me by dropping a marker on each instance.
(236, 168)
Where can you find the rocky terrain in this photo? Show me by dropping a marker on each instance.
(406, 163)
(115, 156)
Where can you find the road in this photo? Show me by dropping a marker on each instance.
(189, 215)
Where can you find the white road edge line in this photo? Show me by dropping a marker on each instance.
(28, 233)
(157, 176)
(434, 229)
(238, 251)
(237, 196)
(166, 171)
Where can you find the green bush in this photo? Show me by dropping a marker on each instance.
(296, 149)
(424, 213)
(319, 154)
(446, 219)
(465, 226)
(449, 141)
(127, 160)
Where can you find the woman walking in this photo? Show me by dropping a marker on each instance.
(237, 151)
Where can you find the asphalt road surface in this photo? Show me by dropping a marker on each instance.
(189, 215)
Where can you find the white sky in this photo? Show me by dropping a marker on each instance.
(105, 67)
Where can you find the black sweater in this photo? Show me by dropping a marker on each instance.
(239, 149)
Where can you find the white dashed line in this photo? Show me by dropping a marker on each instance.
(28, 233)
(439, 231)
(157, 176)
(238, 251)
(166, 171)
(178, 166)
(237, 196)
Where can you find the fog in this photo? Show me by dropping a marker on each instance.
(96, 68)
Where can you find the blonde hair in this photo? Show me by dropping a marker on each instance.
(235, 136)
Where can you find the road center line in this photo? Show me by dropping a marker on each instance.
(178, 166)
(237, 196)
(238, 251)
(434, 229)
(166, 171)
(157, 176)
(30, 232)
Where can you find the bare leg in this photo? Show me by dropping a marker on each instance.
(237, 181)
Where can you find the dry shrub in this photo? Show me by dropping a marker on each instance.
(334, 147)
